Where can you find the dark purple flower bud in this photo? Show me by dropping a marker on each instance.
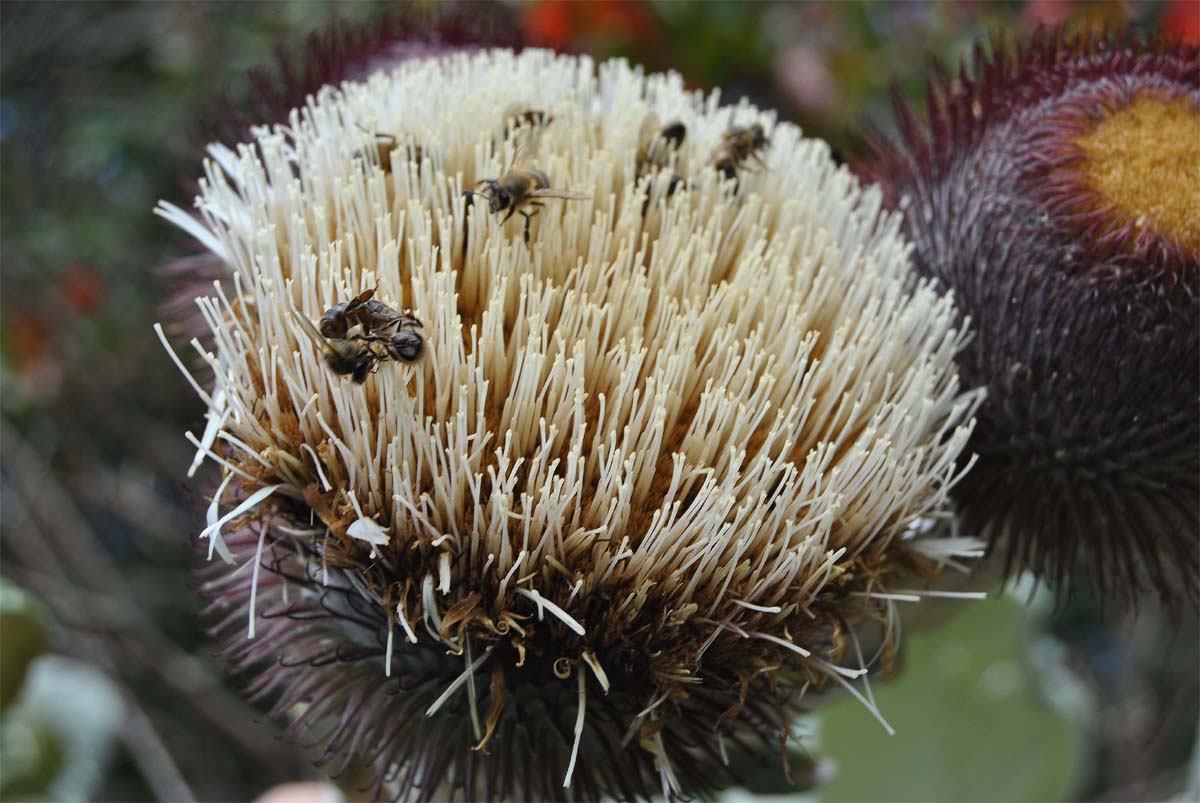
(1054, 190)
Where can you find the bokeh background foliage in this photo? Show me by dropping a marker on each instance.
(103, 109)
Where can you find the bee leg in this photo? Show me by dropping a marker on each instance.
(468, 202)
(376, 134)
(529, 216)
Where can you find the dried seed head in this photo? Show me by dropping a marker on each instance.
(647, 475)
(1054, 191)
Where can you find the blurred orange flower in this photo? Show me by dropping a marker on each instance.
(563, 25)
(1181, 20)
(82, 288)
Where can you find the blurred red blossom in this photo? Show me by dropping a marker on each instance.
(82, 288)
(803, 74)
(30, 346)
(566, 26)
(1046, 12)
(1181, 20)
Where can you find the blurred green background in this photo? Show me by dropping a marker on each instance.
(103, 107)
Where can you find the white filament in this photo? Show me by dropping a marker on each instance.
(580, 713)
(457, 683)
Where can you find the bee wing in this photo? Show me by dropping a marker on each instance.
(648, 130)
(360, 299)
(310, 330)
(565, 194)
(527, 145)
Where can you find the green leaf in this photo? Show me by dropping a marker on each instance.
(970, 721)
(22, 638)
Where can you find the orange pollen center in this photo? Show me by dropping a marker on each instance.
(1143, 161)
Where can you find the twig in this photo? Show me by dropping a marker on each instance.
(152, 757)
(53, 537)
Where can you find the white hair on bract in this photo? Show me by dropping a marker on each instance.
(677, 445)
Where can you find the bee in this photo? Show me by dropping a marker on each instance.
(673, 184)
(359, 355)
(385, 144)
(468, 202)
(362, 310)
(522, 187)
(356, 335)
(518, 115)
(656, 145)
(739, 145)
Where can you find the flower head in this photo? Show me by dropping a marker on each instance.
(1054, 191)
(650, 470)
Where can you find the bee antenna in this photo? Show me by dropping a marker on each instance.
(366, 130)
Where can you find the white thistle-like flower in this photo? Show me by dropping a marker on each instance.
(649, 473)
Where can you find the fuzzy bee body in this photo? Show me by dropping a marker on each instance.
(522, 187)
(351, 357)
(382, 334)
(656, 144)
(513, 189)
(406, 346)
(656, 147)
(336, 321)
(738, 146)
(362, 311)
